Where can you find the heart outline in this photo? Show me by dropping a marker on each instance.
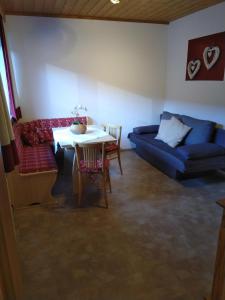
(215, 58)
(192, 73)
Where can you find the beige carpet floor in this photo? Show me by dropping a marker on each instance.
(157, 240)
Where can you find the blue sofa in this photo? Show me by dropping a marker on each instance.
(202, 150)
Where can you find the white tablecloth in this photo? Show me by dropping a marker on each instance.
(64, 137)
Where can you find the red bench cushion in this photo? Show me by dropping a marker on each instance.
(85, 169)
(40, 131)
(17, 128)
(37, 159)
(30, 138)
(111, 147)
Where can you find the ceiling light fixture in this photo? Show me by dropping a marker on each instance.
(115, 1)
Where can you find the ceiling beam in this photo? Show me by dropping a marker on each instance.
(83, 17)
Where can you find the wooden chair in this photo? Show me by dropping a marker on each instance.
(112, 150)
(91, 161)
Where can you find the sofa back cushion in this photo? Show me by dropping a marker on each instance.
(201, 130)
(219, 138)
(166, 115)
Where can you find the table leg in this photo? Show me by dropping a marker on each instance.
(74, 175)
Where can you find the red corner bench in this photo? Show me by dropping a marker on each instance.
(37, 170)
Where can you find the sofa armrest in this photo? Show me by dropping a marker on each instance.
(146, 129)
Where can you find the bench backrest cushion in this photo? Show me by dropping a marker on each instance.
(60, 122)
(17, 128)
(29, 133)
(40, 131)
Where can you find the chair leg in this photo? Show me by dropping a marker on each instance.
(80, 188)
(104, 189)
(119, 160)
(109, 181)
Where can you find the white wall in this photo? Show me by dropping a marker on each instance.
(202, 99)
(116, 69)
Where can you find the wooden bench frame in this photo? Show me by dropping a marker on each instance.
(31, 188)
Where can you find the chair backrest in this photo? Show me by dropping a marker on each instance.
(91, 155)
(114, 130)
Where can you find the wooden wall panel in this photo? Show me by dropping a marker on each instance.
(156, 11)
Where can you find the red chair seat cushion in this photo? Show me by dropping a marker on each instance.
(97, 169)
(111, 147)
(37, 159)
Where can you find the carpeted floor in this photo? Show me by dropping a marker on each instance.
(157, 240)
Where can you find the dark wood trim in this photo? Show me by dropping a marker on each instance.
(2, 12)
(221, 203)
(218, 287)
(10, 273)
(31, 14)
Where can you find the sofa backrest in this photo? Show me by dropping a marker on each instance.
(201, 130)
(219, 137)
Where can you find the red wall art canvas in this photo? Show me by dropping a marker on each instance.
(206, 58)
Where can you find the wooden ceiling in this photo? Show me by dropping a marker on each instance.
(151, 11)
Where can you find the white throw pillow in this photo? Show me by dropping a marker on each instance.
(172, 131)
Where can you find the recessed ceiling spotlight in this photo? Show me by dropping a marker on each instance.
(115, 1)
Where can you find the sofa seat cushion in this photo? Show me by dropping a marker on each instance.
(37, 159)
(146, 139)
(199, 151)
(159, 152)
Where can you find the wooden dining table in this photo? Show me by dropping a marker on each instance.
(66, 139)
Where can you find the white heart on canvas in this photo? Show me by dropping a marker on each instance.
(193, 68)
(207, 53)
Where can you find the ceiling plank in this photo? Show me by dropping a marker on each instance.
(58, 6)
(87, 8)
(157, 11)
(99, 6)
(38, 6)
(28, 5)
